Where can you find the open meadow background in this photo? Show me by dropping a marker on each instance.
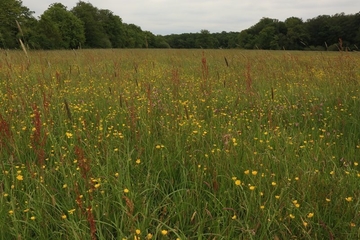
(179, 144)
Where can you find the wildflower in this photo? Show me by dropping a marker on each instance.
(277, 196)
(116, 174)
(254, 173)
(352, 224)
(247, 172)
(137, 231)
(332, 173)
(273, 183)
(33, 218)
(138, 161)
(164, 232)
(126, 190)
(158, 146)
(234, 178)
(310, 215)
(291, 216)
(328, 199)
(233, 217)
(262, 207)
(11, 212)
(237, 182)
(252, 188)
(71, 211)
(20, 177)
(305, 224)
(149, 236)
(349, 199)
(69, 135)
(65, 186)
(97, 185)
(63, 216)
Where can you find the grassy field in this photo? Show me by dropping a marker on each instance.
(179, 144)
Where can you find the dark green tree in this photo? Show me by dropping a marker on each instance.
(95, 34)
(297, 36)
(59, 29)
(113, 27)
(205, 39)
(11, 13)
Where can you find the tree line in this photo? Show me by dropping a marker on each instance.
(86, 26)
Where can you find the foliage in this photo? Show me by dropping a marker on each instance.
(10, 12)
(59, 29)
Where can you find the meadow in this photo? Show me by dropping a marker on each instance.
(179, 144)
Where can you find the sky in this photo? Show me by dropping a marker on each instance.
(163, 17)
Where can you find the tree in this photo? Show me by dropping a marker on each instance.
(297, 36)
(12, 11)
(59, 29)
(113, 26)
(95, 33)
(204, 39)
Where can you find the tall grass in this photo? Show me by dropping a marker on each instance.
(178, 144)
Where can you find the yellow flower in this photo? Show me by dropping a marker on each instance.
(237, 182)
(277, 196)
(291, 216)
(33, 218)
(233, 217)
(149, 236)
(63, 216)
(305, 224)
(137, 231)
(65, 186)
(310, 215)
(69, 135)
(164, 232)
(247, 172)
(273, 183)
(20, 177)
(126, 190)
(328, 199)
(352, 224)
(252, 188)
(71, 211)
(138, 161)
(97, 185)
(11, 212)
(349, 199)
(262, 207)
(254, 173)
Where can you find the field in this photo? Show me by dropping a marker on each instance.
(179, 144)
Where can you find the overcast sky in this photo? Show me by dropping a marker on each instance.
(183, 16)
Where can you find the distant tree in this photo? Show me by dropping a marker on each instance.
(113, 27)
(10, 12)
(95, 34)
(59, 29)
(297, 36)
(204, 39)
(135, 37)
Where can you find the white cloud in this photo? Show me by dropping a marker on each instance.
(175, 16)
